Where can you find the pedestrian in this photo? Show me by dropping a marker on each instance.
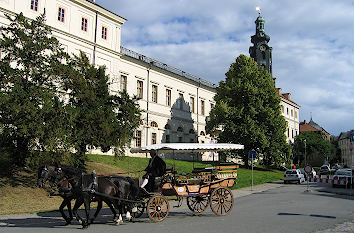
(294, 167)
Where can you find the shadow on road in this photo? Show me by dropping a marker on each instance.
(53, 219)
(310, 215)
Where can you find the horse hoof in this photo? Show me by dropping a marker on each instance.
(118, 222)
(67, 223)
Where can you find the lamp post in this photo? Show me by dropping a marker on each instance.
(305, 152)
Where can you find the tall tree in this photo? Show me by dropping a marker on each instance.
(98, 119)
(317, 149)
(30, 106)
(248, 111)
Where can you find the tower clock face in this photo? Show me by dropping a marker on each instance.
(262, 48)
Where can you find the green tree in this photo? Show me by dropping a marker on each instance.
(317, 152)
(31, 118)
(97, 118)
(248, 111)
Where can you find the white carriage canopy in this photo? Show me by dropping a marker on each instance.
(187, 147)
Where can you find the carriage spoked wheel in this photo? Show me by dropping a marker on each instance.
(221, 201)
(198, 204)
(158, 208)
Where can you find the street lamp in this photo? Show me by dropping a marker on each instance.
(305, 152)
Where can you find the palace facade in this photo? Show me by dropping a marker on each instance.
(175, 104)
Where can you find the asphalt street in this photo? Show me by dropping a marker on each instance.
(268, 208)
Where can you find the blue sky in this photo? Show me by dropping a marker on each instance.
(312, 40)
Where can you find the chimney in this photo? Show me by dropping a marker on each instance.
(287, 95)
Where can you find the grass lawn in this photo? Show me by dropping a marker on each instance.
(20, 193)
(260, 176)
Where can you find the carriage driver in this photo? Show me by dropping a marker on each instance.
(156, 168)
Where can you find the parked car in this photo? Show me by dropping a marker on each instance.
(324, 170)
(293, 175)
(341, 175)
(334, 168)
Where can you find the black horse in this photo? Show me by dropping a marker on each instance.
(73, 184)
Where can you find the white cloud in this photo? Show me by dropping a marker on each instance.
(312, 45)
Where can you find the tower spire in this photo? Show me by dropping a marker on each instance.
(261, 52)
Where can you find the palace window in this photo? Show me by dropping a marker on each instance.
(212, 106)
(167, 126)
(202, 106)
(180, 129)
(104, 33)
(154, 93)
(83, 24)
(153, 138)
(292, 112)
(192, 105)
(61, 14)
(168, 97)
(180, 139)
(180, 101)
(202, 133)
(139, 89)
(168, 140)
(154, 124)
(123, 82)
(34, 5)
(138, 139)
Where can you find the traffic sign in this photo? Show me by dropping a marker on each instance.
(308, 169)
(252, 154)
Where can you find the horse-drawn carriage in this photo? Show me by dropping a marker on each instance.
(206, 186)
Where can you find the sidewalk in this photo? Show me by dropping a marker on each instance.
(256, 189)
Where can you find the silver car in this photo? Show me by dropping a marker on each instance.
(293, 175)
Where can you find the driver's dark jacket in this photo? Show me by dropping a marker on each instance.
(156, 167)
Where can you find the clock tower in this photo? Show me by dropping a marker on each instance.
(261, 52)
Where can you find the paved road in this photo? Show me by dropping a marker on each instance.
(283, 208)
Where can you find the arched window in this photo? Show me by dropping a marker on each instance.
(167, 126)
(154, 124)
(141, 122)
(180, 129)
(202, 133)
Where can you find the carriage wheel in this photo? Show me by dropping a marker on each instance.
(140, 210)
(198, 204)
(221, 201)
(157, 208)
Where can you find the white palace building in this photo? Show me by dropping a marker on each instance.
(175, 104)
